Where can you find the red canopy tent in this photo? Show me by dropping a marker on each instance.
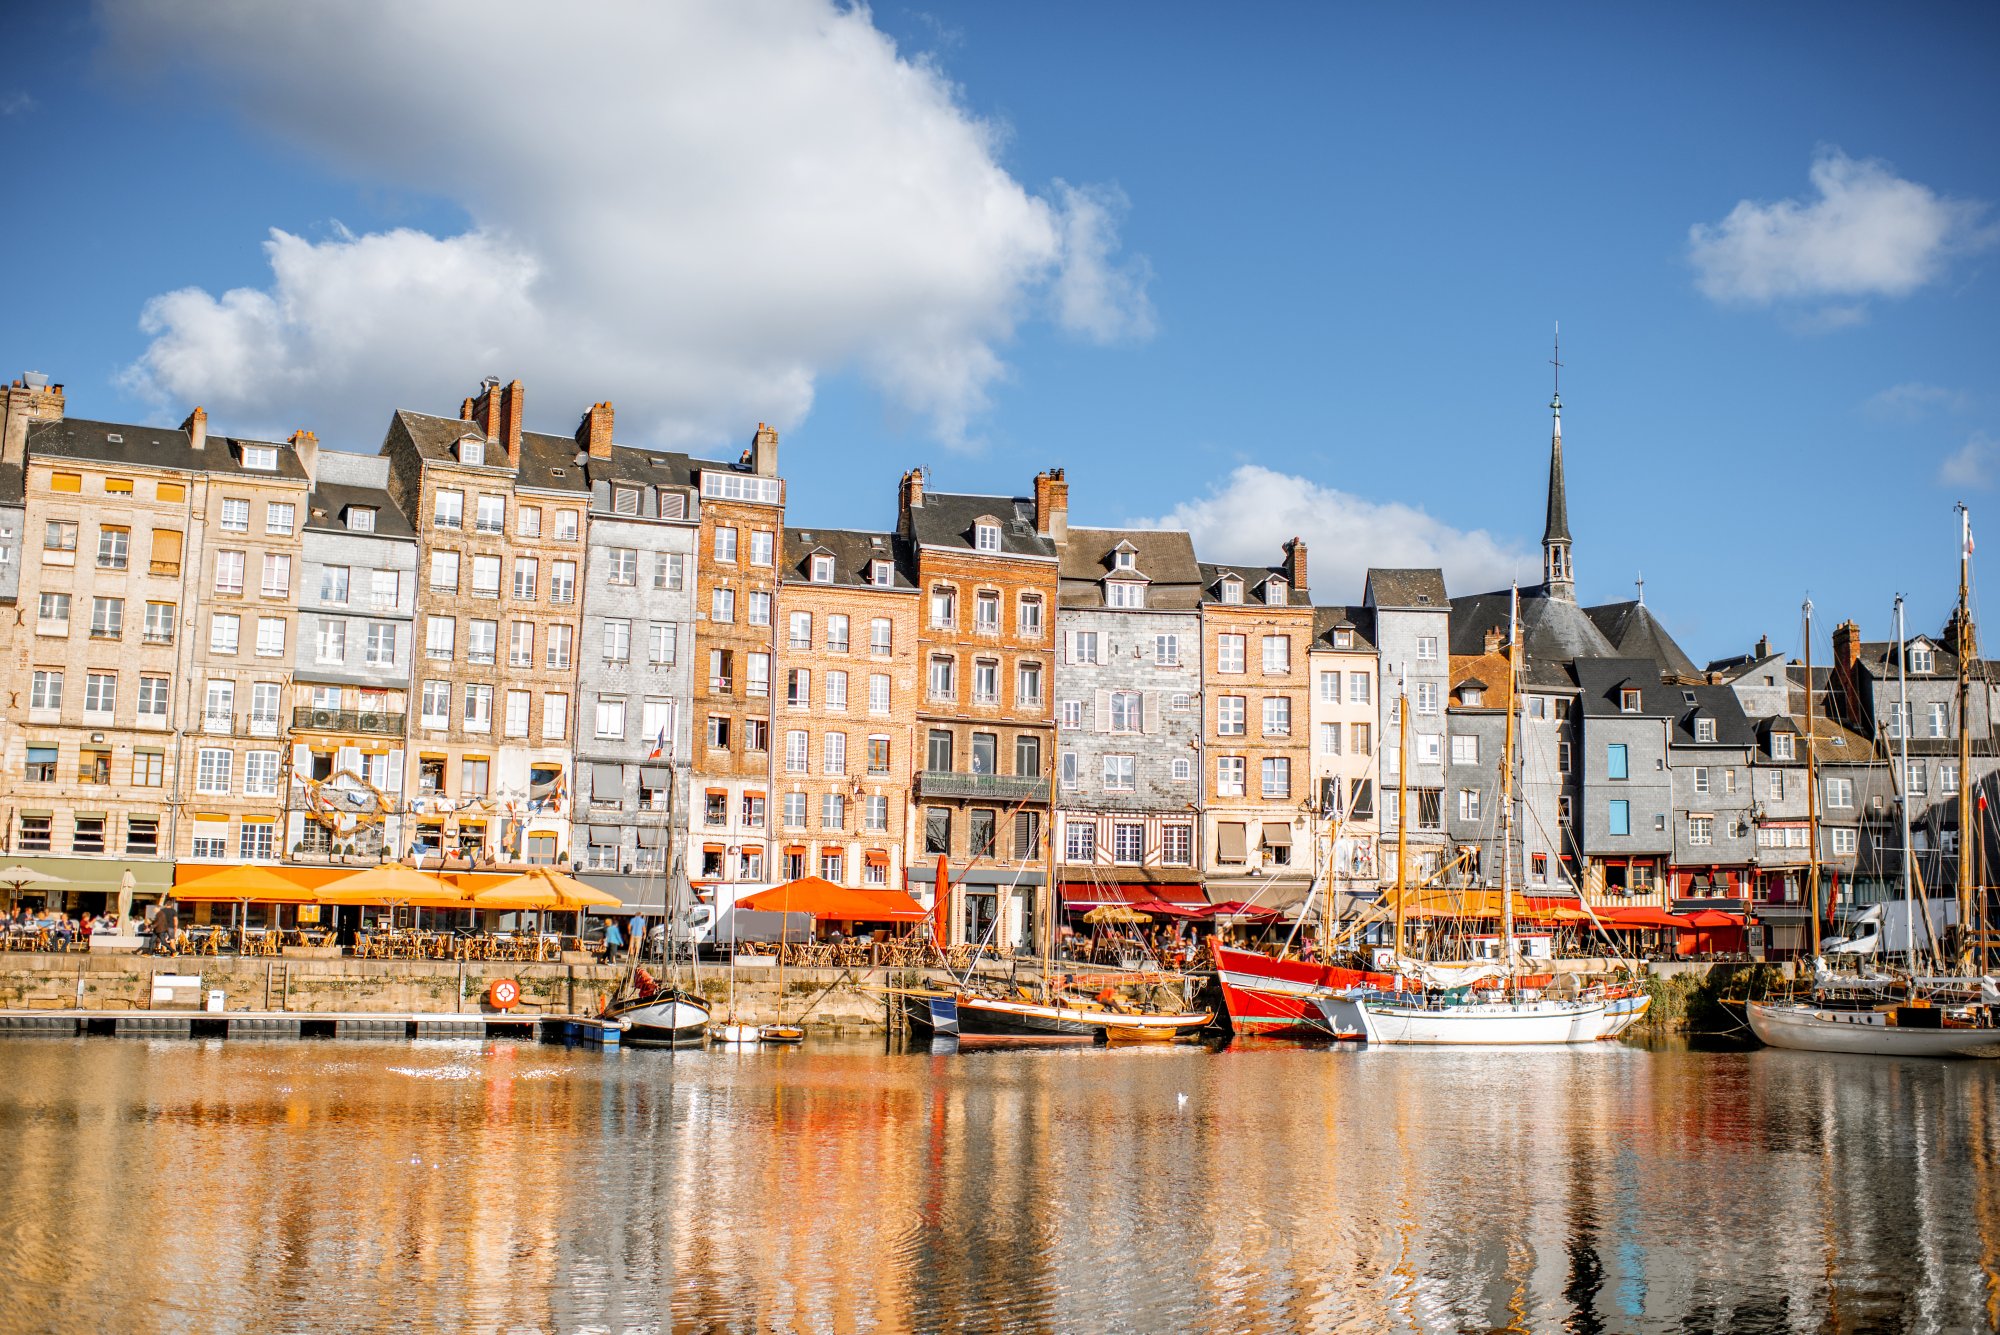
(1643, 917)
(1162, 909)
(824, 899)
(1236, 908)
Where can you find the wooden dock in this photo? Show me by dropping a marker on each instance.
(568, 1029)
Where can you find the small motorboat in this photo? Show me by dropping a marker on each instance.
(781, 1033)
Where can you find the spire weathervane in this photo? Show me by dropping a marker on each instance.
(1556, 361)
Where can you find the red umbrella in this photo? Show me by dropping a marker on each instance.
(1236, 908)
(1160, 908)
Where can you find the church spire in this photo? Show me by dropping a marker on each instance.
(1558, 575)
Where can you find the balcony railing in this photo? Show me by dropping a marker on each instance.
(995, 787)
(348, 720)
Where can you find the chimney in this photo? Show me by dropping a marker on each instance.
(465, 411)
(1846, 690)
(764, 451)
(1052, 505)
(1763, 649)
(31, 398)
(306, 445)
(1495, 637)
(1295, 564)
(510, 421)
(196, 427)
(497, 412)
(594, 432)
(910, 497)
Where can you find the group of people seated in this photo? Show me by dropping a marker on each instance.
(60, 929)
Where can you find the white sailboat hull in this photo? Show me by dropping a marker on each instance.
(1483, 1024)
(669, 1019)
(1816, 1029)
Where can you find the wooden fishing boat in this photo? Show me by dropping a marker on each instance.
(667, 1017)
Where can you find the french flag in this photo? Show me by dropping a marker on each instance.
(659, 744)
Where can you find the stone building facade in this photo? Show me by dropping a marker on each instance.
(1345, 737)
(1412, 636)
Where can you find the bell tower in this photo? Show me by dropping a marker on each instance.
(1558, 573)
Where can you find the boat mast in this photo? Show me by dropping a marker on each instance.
(1507, 792)
(1812, 794)
(1402, 801)
(1964, 648)
(1903, 780)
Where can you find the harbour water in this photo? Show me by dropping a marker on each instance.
(297, 1186)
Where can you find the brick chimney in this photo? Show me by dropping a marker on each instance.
(1846, 687)
(1495, 637)
(196, 427)
(594, 432)
(910, 496)
(1295, 564)
(1052, 505)
(306, 445)
(764, 451)
(1763, 649)
(497, 412)
(31, 398)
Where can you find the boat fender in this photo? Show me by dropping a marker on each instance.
(503, 994)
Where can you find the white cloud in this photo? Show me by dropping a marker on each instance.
(1866, 233)
(1245, 520)
(696, 210)
(1971, 464)
(1913, 400)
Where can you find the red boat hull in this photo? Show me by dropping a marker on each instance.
(1276, 997)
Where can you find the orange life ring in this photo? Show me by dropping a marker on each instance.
(503, 994)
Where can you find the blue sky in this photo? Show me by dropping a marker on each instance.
(1255, 270)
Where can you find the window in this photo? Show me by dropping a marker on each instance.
(473, 775)
(100, 692)
(1775, 786)
(1229, 776)
(333, 582)
(555, 716)
(271, 639)
(797, 744)
(1427, 697)
(1277, 653)
(528, 522)
(833, 811)
(526, 568)
(1618, 817)
(1615, 766)
(448, 509)
(1329, 739)
(762, 544)
(1921, 659)
(985, 681)
(1066, 768)
(986, 612)
(279, 516)
(1947, 777)
(662, 643)
(611, 716)
(1464, 749)
(722, 605)
(1084, 647)
(1120, 776)
(878, 693)
(1124, 593)
(668, 570)
(725, 544)
(518, 705)
(260, 775)
(986, 537)
(882, 574)
(1729, 780)
(617, 641)
(53, 614)
(566, 525)
(1914, 776)
(277, 575)
(1028, 683)
(229, 572)
(1628, 700)
(59, 535)
(224, 633)
(149, 769)
(943, 678)
(114, 546)
(836, 634)
(361, 518)
(822, 569)
(107, 618)
(622, 567)
(798, 687)
(1468, 804)
(1937, 720)
(262, 458)
(1277, 716)
(212, 769)
(1704, 730)
(1430, 749)
(1028, 618)
(479, 709)
(1361, 738)
(833, 753)
(440, 638)
(153, 698)
(1427, 648)
(1229, 715)
(1277, 777)
(799, 630)
(521, 644)
(1844, 842)
(444, 574)
(937, 754)
(1701, 780)
(1329, 687)
(486, 577)
(235, 516)
(881, 637)
(836, 690)
(1128, 844)
(1229, 653)
(560, 637)
(562, 581)
(1701, 830)
(436, 707)
(985, 753)
(878, 755)
(1027, 755)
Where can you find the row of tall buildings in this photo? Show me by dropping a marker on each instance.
(500, 645)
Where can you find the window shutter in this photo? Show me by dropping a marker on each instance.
(1101, 720)
(348, 760)
(1150, 708)
(395, 783)
(301, 758)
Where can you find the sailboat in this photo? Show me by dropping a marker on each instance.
(656, 1015)
(1467, 1013)
(1934, 1018)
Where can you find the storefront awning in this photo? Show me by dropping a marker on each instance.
(1230, 842)
(652, 836)
(1085, 895)
(1277, 834)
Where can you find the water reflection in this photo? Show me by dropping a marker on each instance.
(286, 1186)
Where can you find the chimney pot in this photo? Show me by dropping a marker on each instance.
(764, 451)
(1052, 505)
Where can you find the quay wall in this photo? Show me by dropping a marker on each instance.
(417, 987)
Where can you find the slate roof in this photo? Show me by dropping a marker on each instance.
(945, 520)
(1421, 590)
(1601, 680)
(1253, 578)
(1732, 725)
(1556, 527)
(648, 468)
(1164, 557)
(1554, 632)
(1636, 632)
(853, 550)
(1326, 619)
(548, 463)
(13, 484)
(153, 447)
(324, 509)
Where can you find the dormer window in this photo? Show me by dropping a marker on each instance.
(881, 574)
(361, 518)
(472, 450)
(1472, 696)
(1343, 639)
(1274, 592)
(1232, 590)
(625, 500)
(822, 570)
(1124, 593)
(1704, 730)
(1781, 746)
(263, 458)
(986, 535)
(1628, 700)
(1921, 658)
(1124, 559)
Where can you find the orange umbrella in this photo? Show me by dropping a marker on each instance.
(824, 899)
